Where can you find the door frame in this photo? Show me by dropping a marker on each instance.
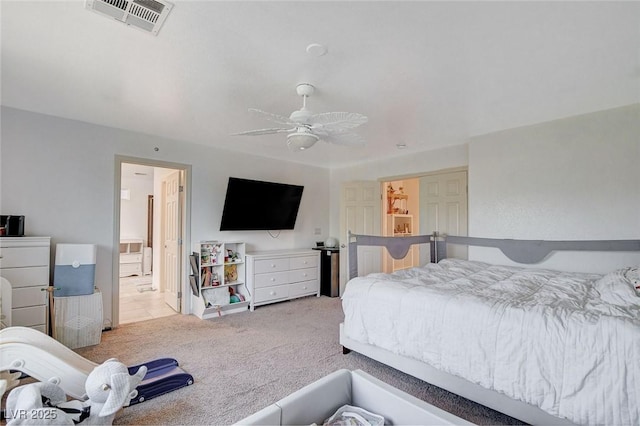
(418, 175)
(185, 231)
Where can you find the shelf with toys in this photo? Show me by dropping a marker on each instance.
(218, 278)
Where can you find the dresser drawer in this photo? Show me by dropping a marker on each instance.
(130, 269)
(303, 275)
(34, 315)
(304, 262)
(18, 257)
(267, 294)
(131, 258)
(26, 277)
(28, 296)
(275, 278)
(270, 265)
(303, 288)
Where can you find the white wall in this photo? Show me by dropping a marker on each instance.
(412, 163)
(133, 212)
(572, 179)
(575, 178)
(60, 174)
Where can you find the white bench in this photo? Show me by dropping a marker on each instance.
(316, 402)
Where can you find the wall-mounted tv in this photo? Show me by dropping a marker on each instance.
(252, 205)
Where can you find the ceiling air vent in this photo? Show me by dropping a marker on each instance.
(147, 15)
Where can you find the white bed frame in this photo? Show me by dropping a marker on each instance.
(522, 251)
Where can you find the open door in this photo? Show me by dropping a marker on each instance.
(171, 223)
(359, 213)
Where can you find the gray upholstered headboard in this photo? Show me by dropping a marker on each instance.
(521, 251)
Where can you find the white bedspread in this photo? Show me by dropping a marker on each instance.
(565, 342)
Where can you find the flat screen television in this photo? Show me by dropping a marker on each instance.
(252, 205)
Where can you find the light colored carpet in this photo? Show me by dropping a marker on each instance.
(246, 361)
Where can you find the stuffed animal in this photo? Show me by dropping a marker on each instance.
(109, 387)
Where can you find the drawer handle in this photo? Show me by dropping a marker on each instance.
(304, 287)
(273, 265)
(273, 280)
(304, 274)
(272, 293)
(305, 262)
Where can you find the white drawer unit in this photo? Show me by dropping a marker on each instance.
(274, 276)
(131, 255)
(24, 262)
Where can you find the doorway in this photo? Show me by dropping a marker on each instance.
(417, 204)
(421, 205)
(401, 219)
(151, 222)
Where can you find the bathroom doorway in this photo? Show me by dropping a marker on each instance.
(150, 259)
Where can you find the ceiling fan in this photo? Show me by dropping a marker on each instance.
(304, 128)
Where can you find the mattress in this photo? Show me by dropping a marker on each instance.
(568, 343)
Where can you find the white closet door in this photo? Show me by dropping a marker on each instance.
(359, 213)
(443, 208)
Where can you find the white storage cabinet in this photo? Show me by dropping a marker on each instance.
(274, 276)
(220, 272)
(24, 262)
(131, 252)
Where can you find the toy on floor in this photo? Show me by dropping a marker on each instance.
(109, 387)
(47, 360)
(163, 376)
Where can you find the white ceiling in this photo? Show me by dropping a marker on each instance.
(427, 74)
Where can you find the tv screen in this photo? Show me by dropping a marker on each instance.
(252, 205)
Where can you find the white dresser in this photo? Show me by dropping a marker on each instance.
(131, 257)
(274, 276)
(24, 262)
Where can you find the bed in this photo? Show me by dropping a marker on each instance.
(543, 346)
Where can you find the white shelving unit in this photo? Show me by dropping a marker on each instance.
(218, 279)
(400, 225)
(131, 252)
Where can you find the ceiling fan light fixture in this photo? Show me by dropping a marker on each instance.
(304, 128)
(300, 141)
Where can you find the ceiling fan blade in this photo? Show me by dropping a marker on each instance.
(332, 121)
(273, 117)
(263, 132)
(344, 138)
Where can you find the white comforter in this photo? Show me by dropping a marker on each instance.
(568, 343)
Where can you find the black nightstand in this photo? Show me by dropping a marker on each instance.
(329, 271)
